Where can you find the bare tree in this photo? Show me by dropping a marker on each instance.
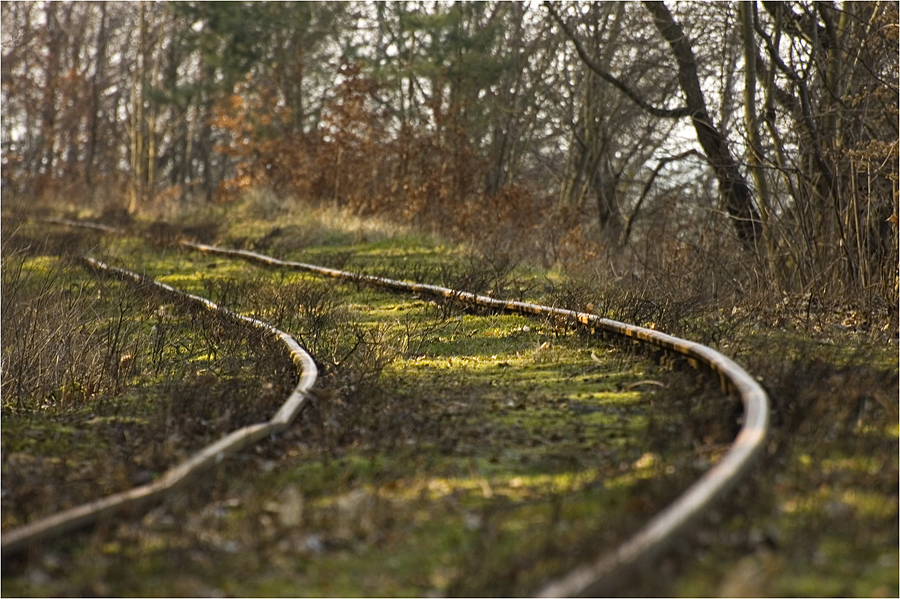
(736, 194)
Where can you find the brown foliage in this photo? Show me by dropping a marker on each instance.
(427, 173)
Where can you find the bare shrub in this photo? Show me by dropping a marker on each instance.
(56, 351)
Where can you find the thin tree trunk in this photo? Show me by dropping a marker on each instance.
(48, 116)
(96, 83)
(751, 122)
(137, 118)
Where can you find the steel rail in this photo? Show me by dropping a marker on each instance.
(139, 498)
(605, 575)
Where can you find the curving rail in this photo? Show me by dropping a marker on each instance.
(605, 575)
(14, 541)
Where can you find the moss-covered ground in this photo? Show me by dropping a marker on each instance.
(446, 452)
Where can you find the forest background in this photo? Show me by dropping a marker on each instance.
(726, 149)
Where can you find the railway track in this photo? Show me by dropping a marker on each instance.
(599, 577)
(138, 498)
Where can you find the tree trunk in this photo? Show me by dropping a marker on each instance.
(733, 187)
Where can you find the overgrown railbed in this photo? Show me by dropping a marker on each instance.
(457, 419)
(451, 453)
(105, 387)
